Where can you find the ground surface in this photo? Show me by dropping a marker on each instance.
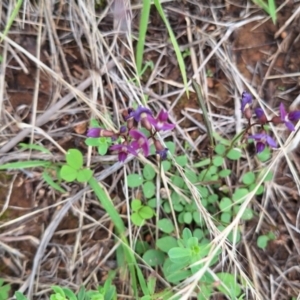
(236, 45)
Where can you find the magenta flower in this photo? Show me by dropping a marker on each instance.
(288, 118)
(99, 132)
(246, 100)
(260, 115)
(162, 153)
(262, 140)
(160, 122)
(140, 141)
(123, 151)
(139, 113)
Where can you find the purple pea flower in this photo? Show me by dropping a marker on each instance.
(99, 132)
(123, 151)
(262, 139)
(288, 118)
(260, 115)
(160, 149)
(160, 122)
(139, 113)
(140, 141)
(246, 100)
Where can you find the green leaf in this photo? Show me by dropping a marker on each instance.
(24, 146)
(188, 217)
(191, 176)
(202, 163)
(181, 255)
(224, 173)
(58, 290)
(213, 198)
(4, 290)
(181, 160)
(234, 154)
(52, 183)
(137, 219)
(148, 172)
(177, 181)
(136, 204)
(146, 212)
(264, 155)
(247, 215)
(165, 225)
(134, 180)
(166, 243)
(103, 148)
(25, 164)
(93, 142)
(248, 178)
(218, 161)
(20, 296)
(220, 149)
(225, 204)
(171, 146)
(74, 159)
(67, 173)
(232, 289)
(84, 175)
(166, 165)
(149, 189)
(154, 257)
(186, 234)
(239, 194)
(69, 294)
(226, 217)
(262, 241)
(198, 233)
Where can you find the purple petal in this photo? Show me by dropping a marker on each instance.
(260, 147)
(167, 126)
(257, 137)
(116, 147)
(289, 125)
(146, 148)
(94, 132)
(162, 116)
(271, 142)
(137, 134)
(246, 100)
(139, 111)
(294, 116)
(133, 147)
(259, 112)
(282, 112)
(162, 153)
(122, 156)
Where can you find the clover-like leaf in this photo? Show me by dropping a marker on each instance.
(146, 212)
(134, 180)
(154, 257)
(74, 158)
(148, 189)
(165, 225)
(68, 173)
(84, 175)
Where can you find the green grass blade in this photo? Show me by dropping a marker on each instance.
(52, 183)
(142, 34)
(207, 122)
(12, 18)
(107, 204)
(174, 43)
(25, 164)
(24, 146)
(272, 10)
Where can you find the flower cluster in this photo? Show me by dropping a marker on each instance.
(132, 139)
(261, 138)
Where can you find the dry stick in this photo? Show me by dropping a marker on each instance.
(45, 117)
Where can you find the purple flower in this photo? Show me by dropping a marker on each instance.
(260, 115)
(123, 151)
(246, 100)
(162, 153)
(160, 123)
(139, 113)
(140, 141)
(262, 139)
(288, 118)
(99, 132)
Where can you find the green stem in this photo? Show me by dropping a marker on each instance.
(107, 204)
